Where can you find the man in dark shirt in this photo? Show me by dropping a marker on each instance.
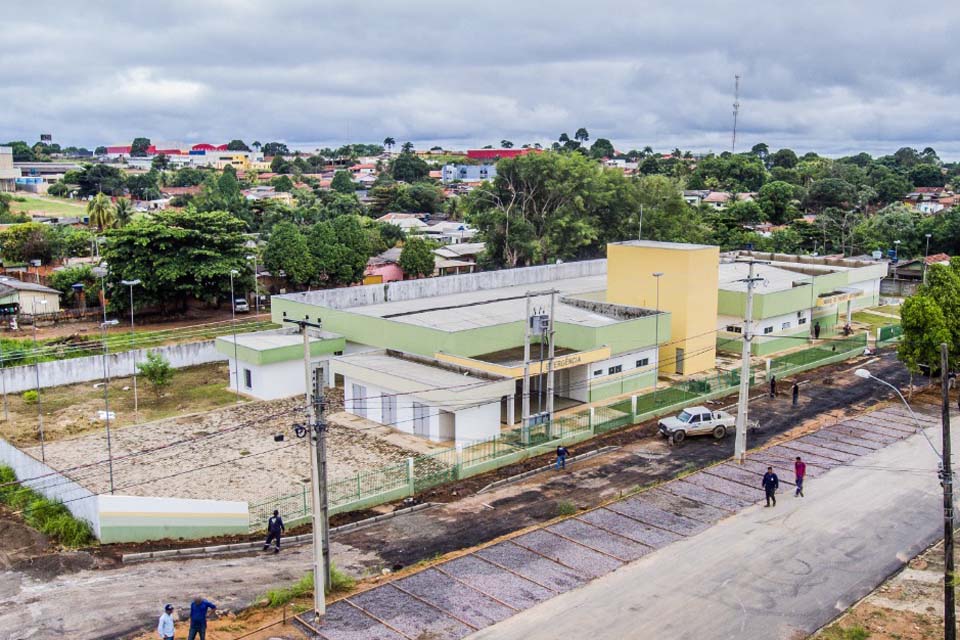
(198, 618)
(562, 454)
(274, 529)
(770, 484)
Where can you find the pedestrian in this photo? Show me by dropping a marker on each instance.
(770, 485)
(562, 454)
(816, 331)
(773, 386)
(274, 529)
(198, 618)
(796, 393)
(800, 470)
(165, 626)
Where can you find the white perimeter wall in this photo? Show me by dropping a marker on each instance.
(89, 368)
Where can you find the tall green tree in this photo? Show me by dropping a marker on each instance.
(776, 199)
(288, 251)
(924, 330)
(100, 212)
(409, 167)
(123, 211)
(388, 142)
(416, 258)
(139, 146)
(237, 145)
(343, 183)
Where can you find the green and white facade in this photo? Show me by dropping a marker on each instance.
(795, 293)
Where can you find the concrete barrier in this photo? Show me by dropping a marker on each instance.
(89, 368)
(136, 518)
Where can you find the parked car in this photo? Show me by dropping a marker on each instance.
(697, 421)
(240, 305)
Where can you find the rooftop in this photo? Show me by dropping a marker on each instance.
(653, 244)
(263, 341)
(20, 285)
(732, 275)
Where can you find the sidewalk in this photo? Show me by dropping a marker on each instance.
(669, 593)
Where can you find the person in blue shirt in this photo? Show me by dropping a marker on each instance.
(770, 485)
(198, 618)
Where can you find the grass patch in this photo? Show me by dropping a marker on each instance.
(48, 204)
(339, 583)
(46, 516)
(850, 633)
(566, 508)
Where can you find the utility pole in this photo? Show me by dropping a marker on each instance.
(740, 443)
(525, 397)
(316, 432)
(736, 111)
(949, 595)
(553, 298)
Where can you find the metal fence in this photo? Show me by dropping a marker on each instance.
(889, 333)
(819, 352)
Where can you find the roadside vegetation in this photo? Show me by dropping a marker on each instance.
(50, 518)
(340, 582)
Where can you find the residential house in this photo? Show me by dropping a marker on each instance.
(468, 172)
(449, 232)
(408, 222)
(383, 268)
(17, 296)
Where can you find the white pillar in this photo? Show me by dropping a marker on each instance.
(511, 410)
(410, 484)
(633, 405)
(593, 418)
(849, 311)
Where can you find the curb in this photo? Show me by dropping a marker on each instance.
(220, 549)
(533, 472)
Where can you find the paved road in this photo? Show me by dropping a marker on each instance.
(777, 573)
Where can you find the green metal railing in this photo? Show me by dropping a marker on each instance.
(889, 333)
(817, 353)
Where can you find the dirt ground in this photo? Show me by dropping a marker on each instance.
(908, 606)
(225, 454)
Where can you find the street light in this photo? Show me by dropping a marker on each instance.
(926, 253)
(896, 257)
(256, 282)
(36, 264)
(36, 367)
(106, 393)
(656, 339)
(233, 316)
(133, 348)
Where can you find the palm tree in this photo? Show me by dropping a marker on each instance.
(506, 144)
(100, 212)
(123, 211)
(406, 147)
(388, 142)
(256, 145)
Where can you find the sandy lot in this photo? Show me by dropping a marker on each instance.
(225, 454)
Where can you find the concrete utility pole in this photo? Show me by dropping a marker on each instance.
(525, 397)
(949, 595)
(317, 433)
(740, 443)
(106, 392)
(553, 298)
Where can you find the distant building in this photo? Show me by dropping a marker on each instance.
(468, 172)
(406, 221)
(8, 174)
(449, 232)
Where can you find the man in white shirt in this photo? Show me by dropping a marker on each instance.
(165, 627)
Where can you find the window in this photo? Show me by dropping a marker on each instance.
(732, 328)
(801, 321)
(695, 419)
(799, 314)
(338, 353)
(598, 372)
(247, 379)
(616, 369)
(767, 330)
(643, 362)
(785, 325)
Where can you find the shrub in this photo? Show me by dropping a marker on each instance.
(339, 582)
(30, 397)
(157, 370)
(46, 516)
(566, 508)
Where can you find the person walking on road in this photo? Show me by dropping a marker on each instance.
(562, 454)
(796, 393)
(198, 618)
(816, 331)
(773, 386)
(800, 469)
(770, 485)
(274, 529)
(165, 626)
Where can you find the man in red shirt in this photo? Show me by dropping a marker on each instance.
(800, 469)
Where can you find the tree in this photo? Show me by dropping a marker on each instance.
(256, 145)
(63, 280)
(28, 241)
(237, 145)
(892, 223)
(279, 165)
(776, 199)
(830, 192)
(179, 255)
(275, 149)
(158, 372)
(924, 330)
(506, 144)
(282, 183)
(407, 147)
(58, 189)
(100, 212)
(409, 167)
(100, 178)
(343, 183)
(160, 162)
(784, 158)
(22, 152)
(143, 186)
(288, 251)
(123, 211)
(100, 151)
(416, 258)
(341, 248)
(581, 135)
(139, 147)
(388, 142)
(761, 150)
(927, 175)
(892, 189)
(602, 148)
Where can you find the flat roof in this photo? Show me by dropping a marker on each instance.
(491, 307)
(426, 375)
(774, 278)
(655, 244)
(267, 341)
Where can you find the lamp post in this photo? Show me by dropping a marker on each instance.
(926, 253)
(656, 338)
(36, 265)
(133, 348)
(106, 393)
(36, 368)
(946, 480)
(896, 257)
(256, 282)
(233, 322)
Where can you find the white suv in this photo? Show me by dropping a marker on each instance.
(696, 421)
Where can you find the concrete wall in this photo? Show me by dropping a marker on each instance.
(429, 287)
(135, 518)
(81, 502)
(270, 381)
(86, 369)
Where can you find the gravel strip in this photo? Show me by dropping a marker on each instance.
(640, 509)
(584, 561)
(588, 535)
(345, 622)
(629, 528)
(408, 615)
(455, 598)
(496, 582)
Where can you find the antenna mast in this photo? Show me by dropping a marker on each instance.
(736, 111)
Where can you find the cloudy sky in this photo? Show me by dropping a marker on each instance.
(830, 76)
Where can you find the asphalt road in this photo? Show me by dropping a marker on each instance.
(778, 573)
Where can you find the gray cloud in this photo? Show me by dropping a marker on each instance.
(833, 77)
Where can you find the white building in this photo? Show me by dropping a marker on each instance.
(8, 174)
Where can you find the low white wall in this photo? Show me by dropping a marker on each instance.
(137, 518)
(81, 502)
(478, 423)
(60, 372)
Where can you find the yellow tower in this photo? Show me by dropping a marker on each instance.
(688, 291)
